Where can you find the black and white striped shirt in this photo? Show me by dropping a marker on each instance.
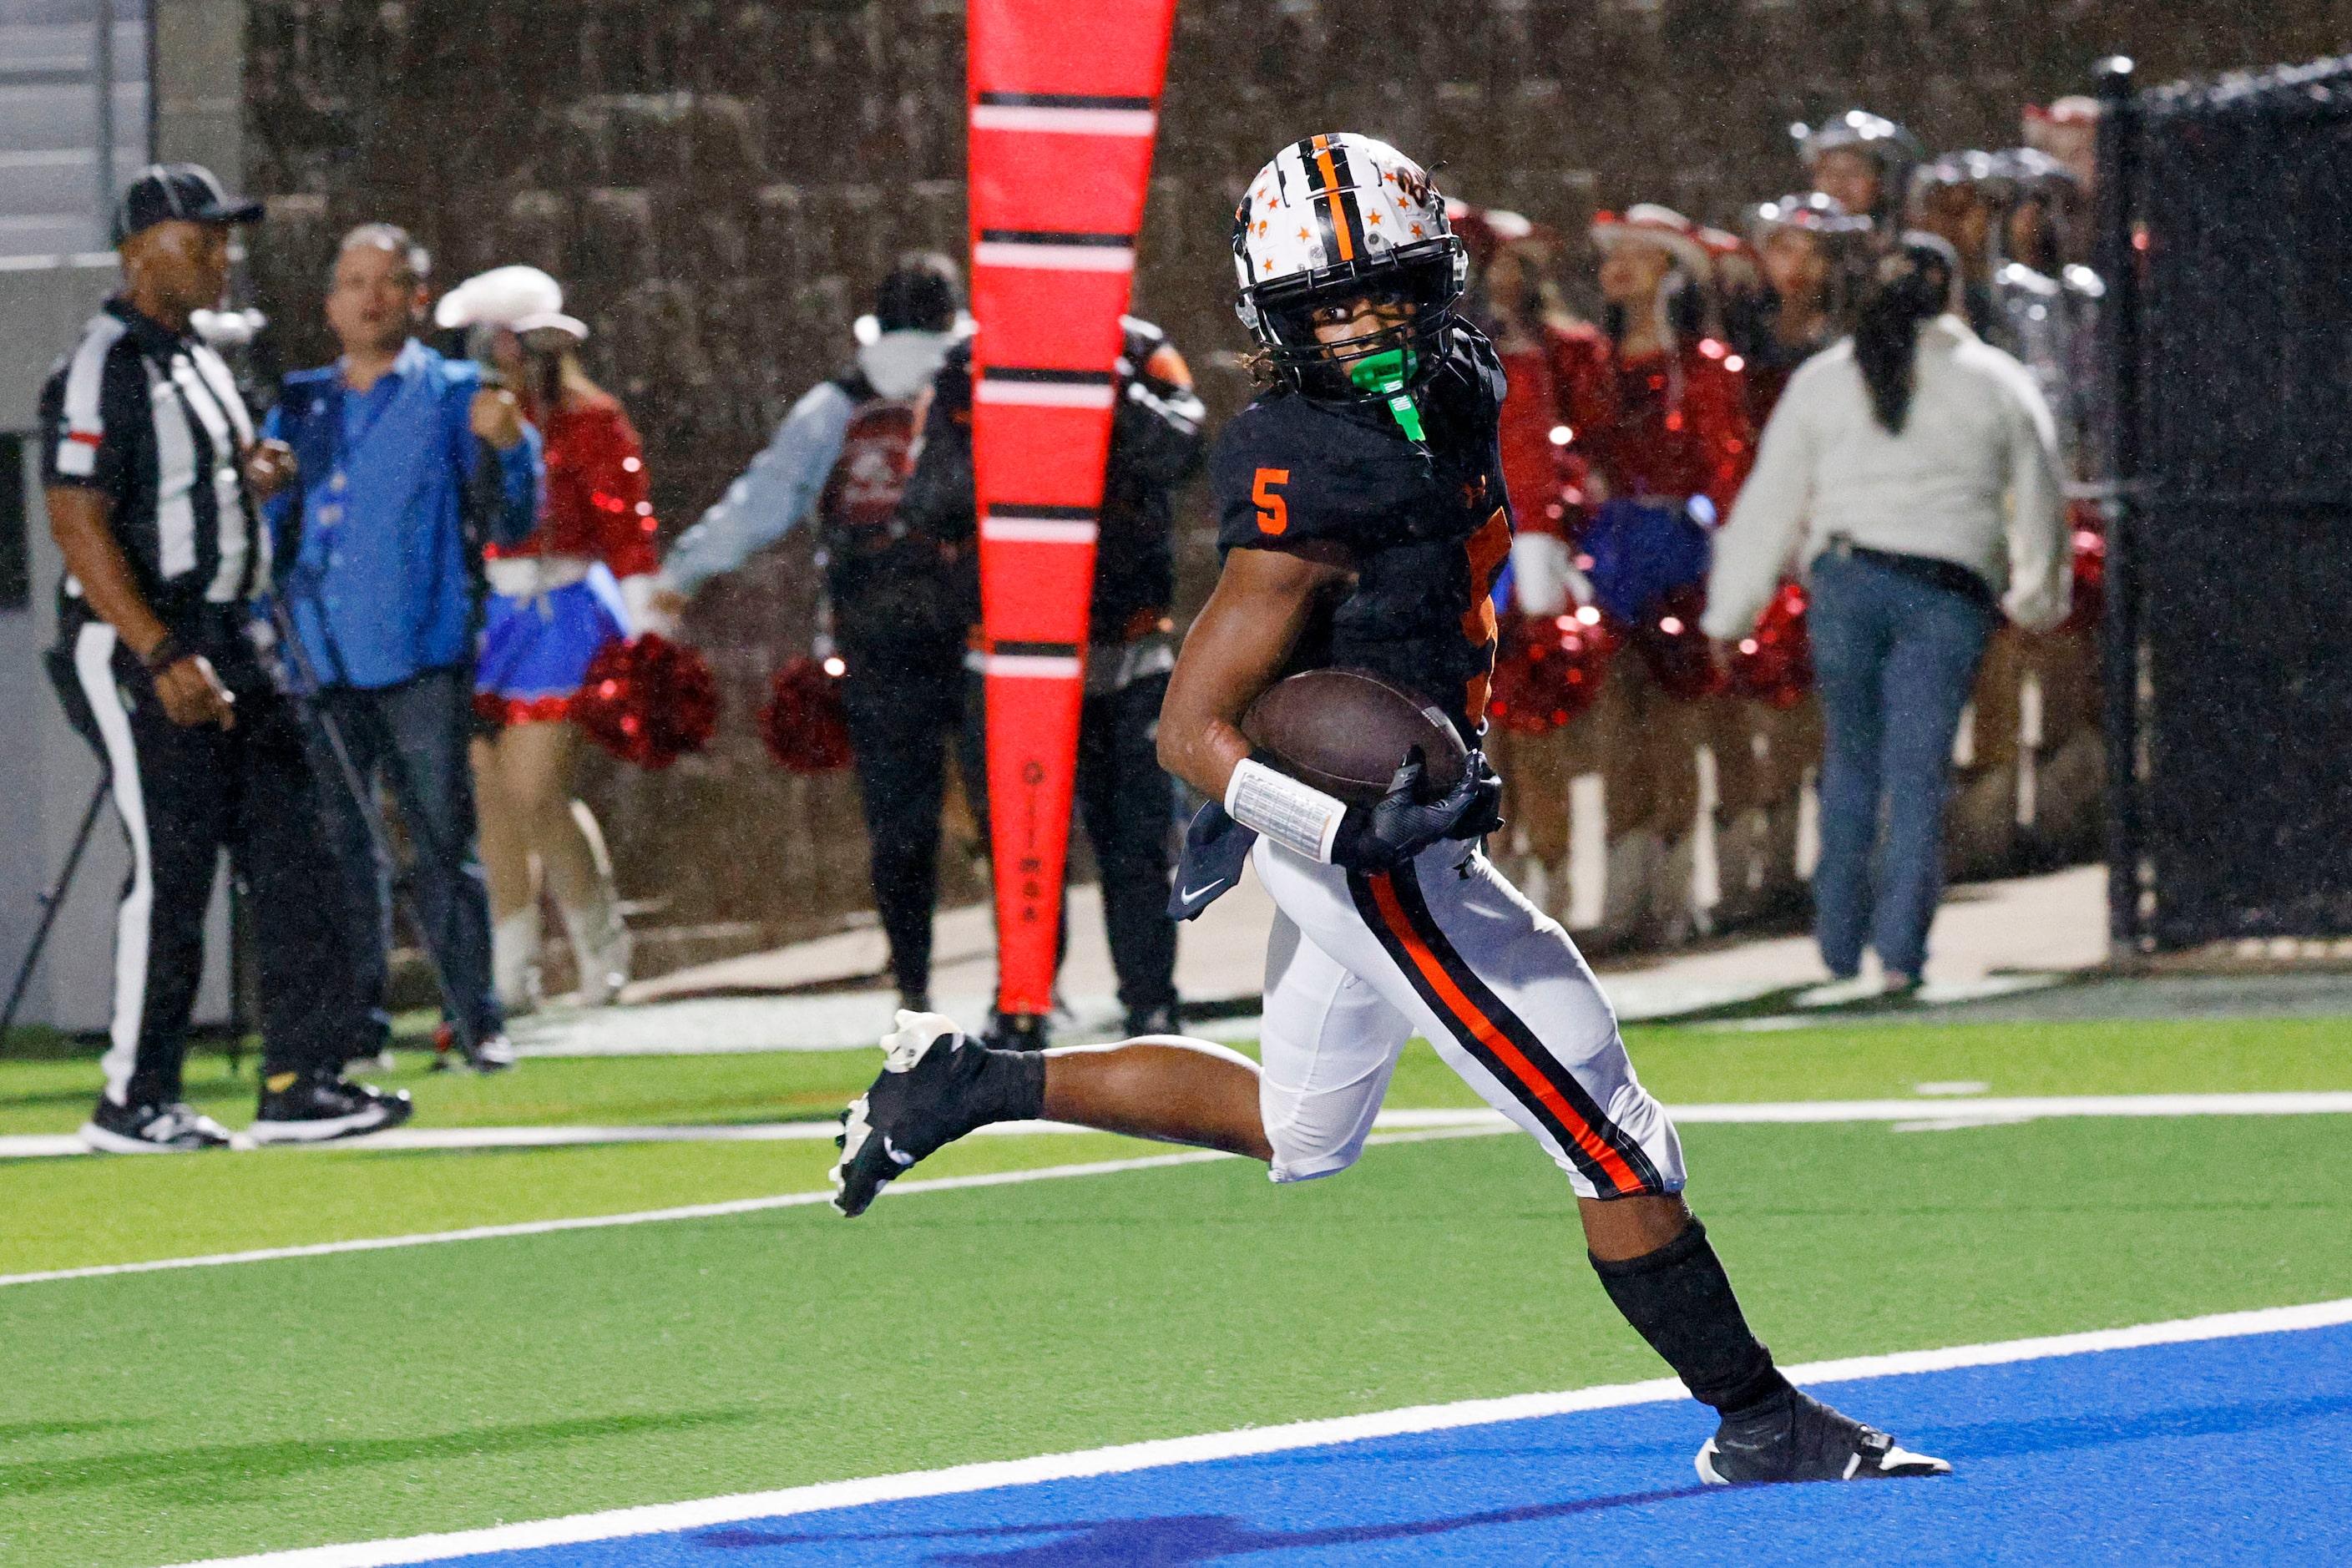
(151, 419)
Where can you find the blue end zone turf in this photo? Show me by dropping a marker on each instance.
(2220, 1451)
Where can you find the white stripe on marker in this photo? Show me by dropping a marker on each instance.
(1038, 531)
(1043, 394)
(1053, 257)
(1065, 122)
(1034, 666)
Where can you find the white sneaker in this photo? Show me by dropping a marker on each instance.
(494, 1055)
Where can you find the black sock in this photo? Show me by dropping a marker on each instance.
(1679, 1299)
(1006, 1086)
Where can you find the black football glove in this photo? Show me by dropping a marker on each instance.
(1379, 838)
(1485, 814)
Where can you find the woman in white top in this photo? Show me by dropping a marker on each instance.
(1910, 471)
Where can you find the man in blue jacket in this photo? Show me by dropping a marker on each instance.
(378, 571)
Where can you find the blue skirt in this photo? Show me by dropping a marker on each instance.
(535, 651)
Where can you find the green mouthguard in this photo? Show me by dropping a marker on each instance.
(1387, 374)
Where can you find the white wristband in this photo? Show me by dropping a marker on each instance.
(1298, 816)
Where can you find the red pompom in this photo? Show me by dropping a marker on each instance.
(803, 724)
(1675, 648)
(2090, 568)
(1549, 669)
(1775, 661)
(648, 701)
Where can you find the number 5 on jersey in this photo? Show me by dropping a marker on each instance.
(1273, 511)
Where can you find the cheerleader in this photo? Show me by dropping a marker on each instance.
(1659, 410)
(1531, 744)
(581, 581)
(1801, 244)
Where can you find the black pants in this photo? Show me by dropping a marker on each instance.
(184, 794)
(905, 705)
(1128, 805)
(413, 738)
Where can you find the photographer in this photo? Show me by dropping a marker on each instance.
(151, 472)
(381, 581)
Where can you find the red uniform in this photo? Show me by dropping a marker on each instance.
(1544, 474)
(1655, 427)
(596, 492)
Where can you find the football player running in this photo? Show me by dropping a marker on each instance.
(1363, 521)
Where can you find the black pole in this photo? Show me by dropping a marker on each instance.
(54, 897)
(2116, 259)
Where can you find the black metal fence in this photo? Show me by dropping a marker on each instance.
(2226, 234)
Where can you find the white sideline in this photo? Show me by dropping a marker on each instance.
(1971, 1112)
(660, 1518)
(405, 1139)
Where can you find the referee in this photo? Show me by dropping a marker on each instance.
(151, 472)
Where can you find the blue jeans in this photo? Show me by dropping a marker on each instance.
(413, 737)
(1894, 660)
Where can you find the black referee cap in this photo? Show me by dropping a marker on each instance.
(189, 193)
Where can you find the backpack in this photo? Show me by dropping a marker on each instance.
(887, 580)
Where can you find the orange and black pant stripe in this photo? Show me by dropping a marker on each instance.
(1498, 1039)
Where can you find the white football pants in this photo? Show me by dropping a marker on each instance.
(1447, 948)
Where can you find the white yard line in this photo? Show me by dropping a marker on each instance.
(1905, 1113)
(702, 1211)
(599, 1222)
(661, 1517)
(1393, 1127)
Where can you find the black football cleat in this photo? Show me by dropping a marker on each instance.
(174, 1128)
(935, 1086)
(315, 1107)
(1795, 1437)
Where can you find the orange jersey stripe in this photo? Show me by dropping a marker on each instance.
(1495, 1040)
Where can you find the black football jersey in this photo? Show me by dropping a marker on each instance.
(1426, 527)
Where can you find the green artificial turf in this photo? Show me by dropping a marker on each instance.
(74, 1213)
(69, 1213)
(160, 1417)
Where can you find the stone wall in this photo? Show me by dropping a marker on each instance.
(719, 186)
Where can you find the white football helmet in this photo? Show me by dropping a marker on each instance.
(1336, 216)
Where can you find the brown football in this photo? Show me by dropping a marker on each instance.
(1347, 732)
